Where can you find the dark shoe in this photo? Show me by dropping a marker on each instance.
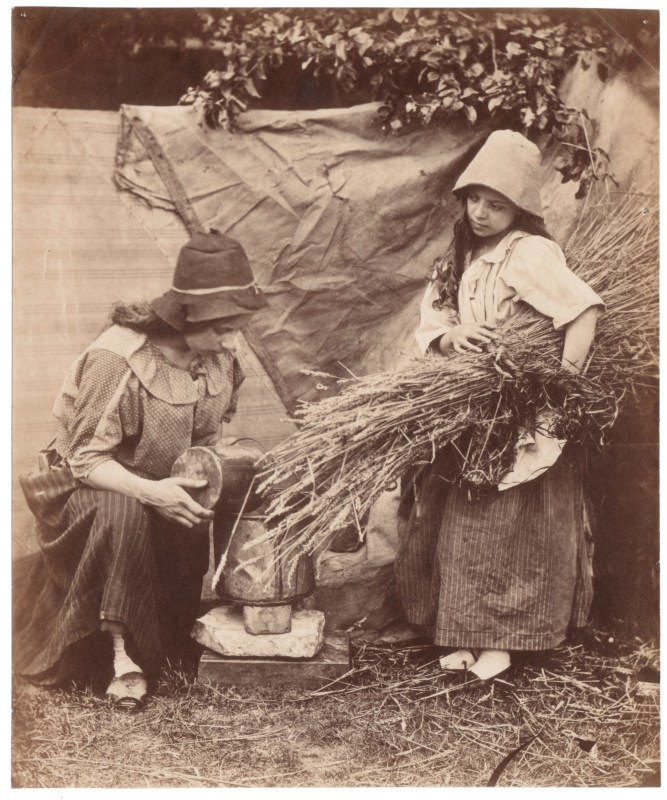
(129, 691)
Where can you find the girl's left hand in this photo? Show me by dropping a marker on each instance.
(468, 337)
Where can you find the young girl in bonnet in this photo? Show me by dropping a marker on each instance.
(506, 571)
(123, 545)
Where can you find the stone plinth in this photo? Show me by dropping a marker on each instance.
(222, 631)
(261, 620)
(330, 663)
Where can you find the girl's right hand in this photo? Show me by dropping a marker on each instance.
(467, 337)
(170, 500)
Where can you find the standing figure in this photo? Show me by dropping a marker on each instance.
(510, 570)
(124, 547)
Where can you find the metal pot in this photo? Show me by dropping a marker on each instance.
(239, 468)
(229, 470)
(262, 582)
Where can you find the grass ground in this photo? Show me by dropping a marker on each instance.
(580, 714)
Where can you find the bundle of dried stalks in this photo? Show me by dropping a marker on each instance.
(351, 447)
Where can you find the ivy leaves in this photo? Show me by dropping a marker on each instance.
(579, 161)
(425, 65)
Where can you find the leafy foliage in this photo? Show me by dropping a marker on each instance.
(501, 69)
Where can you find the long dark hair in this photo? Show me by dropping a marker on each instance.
(141, 318)
(449, 269)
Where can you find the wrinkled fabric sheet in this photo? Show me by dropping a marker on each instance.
(341, 222)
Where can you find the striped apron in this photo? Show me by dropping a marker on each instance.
(509, 570)
(104, 556)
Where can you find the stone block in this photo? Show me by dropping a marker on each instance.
(330, 663)
(260, 620)
(222, 631)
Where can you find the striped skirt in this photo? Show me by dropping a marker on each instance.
(104, 556)
(510, 571)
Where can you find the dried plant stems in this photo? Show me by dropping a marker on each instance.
(351, 447)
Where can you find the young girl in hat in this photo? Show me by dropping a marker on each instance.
(507, 571)
(123, 546)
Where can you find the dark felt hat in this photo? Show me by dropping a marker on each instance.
(212, 280)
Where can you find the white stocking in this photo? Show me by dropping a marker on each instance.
(490, 663)
(122, 663)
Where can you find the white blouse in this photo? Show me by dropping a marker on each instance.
(521, 268)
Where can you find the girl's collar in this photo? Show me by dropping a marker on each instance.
(157, 375)
(206, 366)
(500, 251)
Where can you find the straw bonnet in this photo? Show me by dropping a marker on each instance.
(507, 163)
(212, 280)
